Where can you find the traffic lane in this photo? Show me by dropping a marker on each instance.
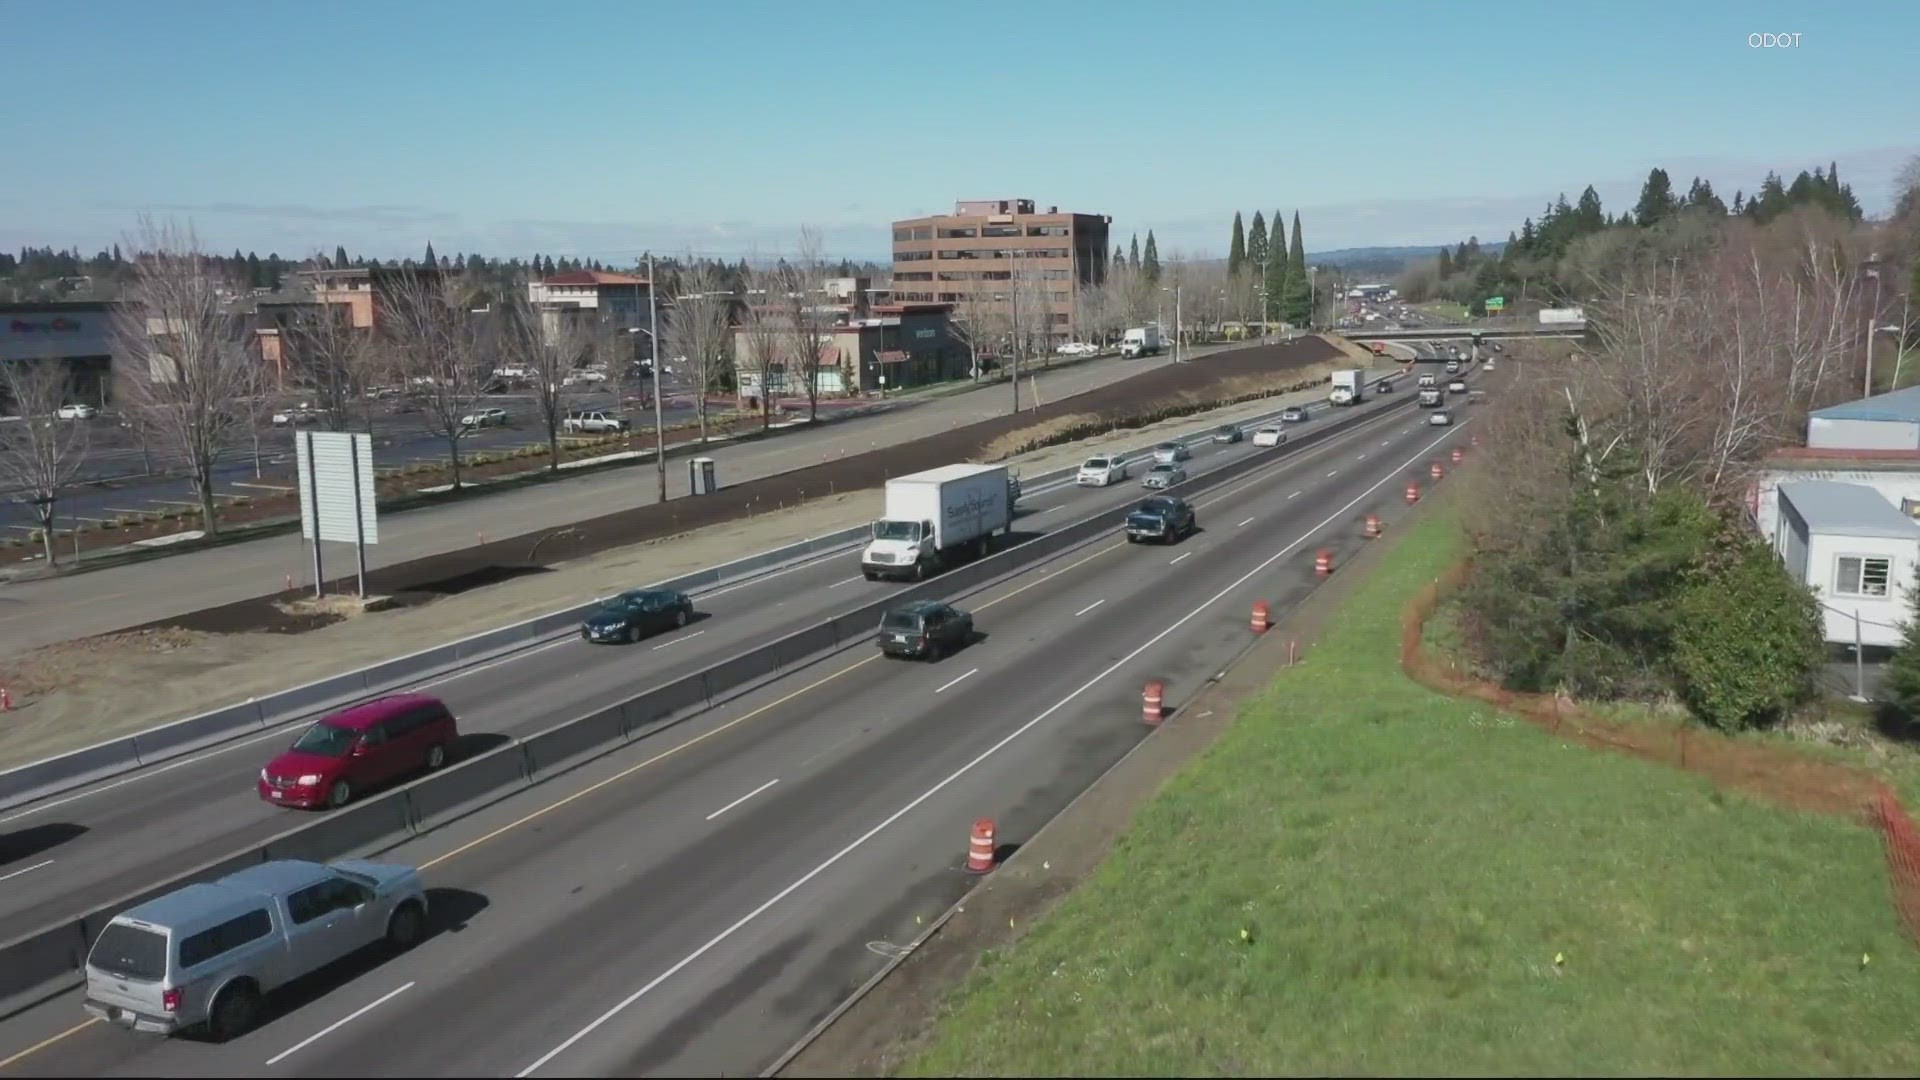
(583, 834)
(189, 811)
(882, 735)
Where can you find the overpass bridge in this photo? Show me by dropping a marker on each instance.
(1488, 331)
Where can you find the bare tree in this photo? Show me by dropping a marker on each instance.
(334, 361)
(803, 282)
(699, 328)
(40, 454)
(190, 370)
(549, 354)
(977, 328)
(764, 335)
(444, 350)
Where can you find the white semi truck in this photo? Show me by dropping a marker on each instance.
(938, 518)
(1142, 341)
(1349, 387)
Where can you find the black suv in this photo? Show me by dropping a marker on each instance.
(924, 630)
(1165, 518)
(642, 611)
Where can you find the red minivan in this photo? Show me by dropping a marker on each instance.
(363, 747)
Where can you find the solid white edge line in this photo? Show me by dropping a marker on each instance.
(337, 1024)
(1295, 495)
(743, 798)
(1245, 523)
(1178, 557)
(26, 870)
(861, 840)
(1089, 607)
(956, 682)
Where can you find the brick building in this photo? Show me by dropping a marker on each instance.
(969, 259)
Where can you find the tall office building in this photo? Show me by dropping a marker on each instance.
(991, 257)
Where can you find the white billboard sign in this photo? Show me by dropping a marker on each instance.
(336, 486)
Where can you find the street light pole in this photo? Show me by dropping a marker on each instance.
(1873, 326)
(1013, 324)
(1176, 323)
(659, 420)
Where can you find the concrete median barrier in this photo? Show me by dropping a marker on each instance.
(195, 732)
(35, 966)
(796, 649)
(453, 791)
(337, 834)
(728, 676)
(588, 736)
(666, 702)
(37, 781)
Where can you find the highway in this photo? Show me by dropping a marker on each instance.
(89, 846)
(44, 611)
(695, 902)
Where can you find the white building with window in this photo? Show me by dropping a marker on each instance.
(1856, 551)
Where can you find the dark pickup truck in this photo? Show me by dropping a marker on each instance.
(1165, 518)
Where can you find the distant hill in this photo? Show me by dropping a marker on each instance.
(1383, 261)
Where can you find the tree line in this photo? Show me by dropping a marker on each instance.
(1615, 555)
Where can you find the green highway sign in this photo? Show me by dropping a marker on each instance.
(1496, 303)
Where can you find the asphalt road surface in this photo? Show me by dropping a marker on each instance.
(41, 612)
(694, 903)
(105, 841)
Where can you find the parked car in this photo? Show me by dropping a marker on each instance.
(298, 414)
(587, 375)
(1163, 475)
(360, 748)
(377, 393)
(1269, 436)
(207, 955)
(592, 422)
(1169, 453)
(75, 412)
(484, 418)
(631, 615)
(1101, 471)
(1293, 415)
(1229, 433)
(1165, 518)
(924, 629)
(1077, 348)
(1440, 418)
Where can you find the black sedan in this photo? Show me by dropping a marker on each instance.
(924, 630)
(631, 615)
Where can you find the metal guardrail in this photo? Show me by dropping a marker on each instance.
(36, 965)
(30, 783)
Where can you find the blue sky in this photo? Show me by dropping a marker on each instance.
(601, 129)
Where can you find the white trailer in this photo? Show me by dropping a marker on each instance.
(1349, 387)
(938, 518)
(1142, 341)
(1562, 316)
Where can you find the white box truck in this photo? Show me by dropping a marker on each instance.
(1349, 387)
(938, 518)
(1562, 316)
(1142, 341)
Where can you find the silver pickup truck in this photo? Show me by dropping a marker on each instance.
(206, 956)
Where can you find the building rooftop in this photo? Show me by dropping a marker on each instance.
(592, 277)
(1848, 509)
(1897, 406)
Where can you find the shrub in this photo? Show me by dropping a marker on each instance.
(1747, 646)
(1902, 684)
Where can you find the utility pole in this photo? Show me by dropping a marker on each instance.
(659, 378)
(1176, 323)
(1873, 325)
(1013, 323)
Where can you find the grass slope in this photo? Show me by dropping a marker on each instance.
(1406, 868)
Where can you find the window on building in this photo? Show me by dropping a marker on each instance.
(912, 256)
(1000, 230)
(1048, 230)
(1056, 275)
(966, 232)
(1860, 575)
(921, 275)
(950, 255)
(923, 232)
(1060, 318)
(949, 297)
(903, 234)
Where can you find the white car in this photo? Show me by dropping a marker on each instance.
(1488, 364)
(1457, 386)
(484, 418)
(1171, 453)
(586, 376)
(593, 422)
(1269, 436)
(1440, 418)
(299, 414)
(75, 412)
(1101, 471)
(1077, 348)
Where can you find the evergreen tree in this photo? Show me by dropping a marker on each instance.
(116, 255)
(1150, 262)
(1257, 244)
(1588, 217)
(430, 262)
(255, 278)
(1299, 300)
(1902, 680)
(1277, 268)
(340, 257)
(1656, 198)
(547, 269)
(1739, 201)
(1237, 247)
(1133, 254)
(1446, 264)
(1119, 257)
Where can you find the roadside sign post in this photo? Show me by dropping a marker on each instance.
(1496, 304)
(337, 497)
